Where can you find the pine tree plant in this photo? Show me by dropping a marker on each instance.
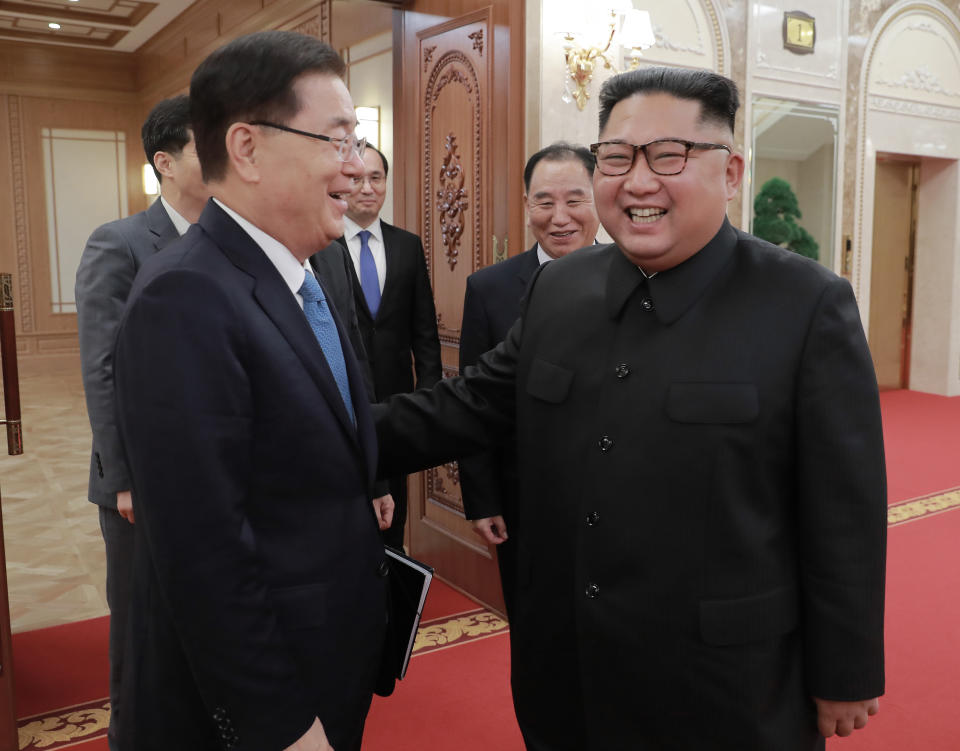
(775, 211)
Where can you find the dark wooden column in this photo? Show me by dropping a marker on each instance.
(11, 398)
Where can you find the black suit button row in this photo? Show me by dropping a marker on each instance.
(593, 518)
(592, 591)
(605, 443)
(647, 304)
(622, 370)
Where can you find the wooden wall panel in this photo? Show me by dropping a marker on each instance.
(166, 62)
(69, 72)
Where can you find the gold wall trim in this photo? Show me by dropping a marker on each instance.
(21, 231)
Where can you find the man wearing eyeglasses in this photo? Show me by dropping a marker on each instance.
(558, 197)
(394, 303)
(702, 496)
(259, 603)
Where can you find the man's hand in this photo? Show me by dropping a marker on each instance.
(383, 508)
(313, 740)
(492, 529)
(125, 505)
(843, 717)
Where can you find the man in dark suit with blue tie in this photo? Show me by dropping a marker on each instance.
(110, 260)
(394, 302)
(558, 197)
(259, 604)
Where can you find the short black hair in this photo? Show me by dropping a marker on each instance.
(718, 95)
(251, 78)
(167, 128)
(560, 151)
(386, 164)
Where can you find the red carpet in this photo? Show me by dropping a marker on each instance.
(456, 694)
(921, 434)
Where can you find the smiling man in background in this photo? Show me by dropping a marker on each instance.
(558, 198)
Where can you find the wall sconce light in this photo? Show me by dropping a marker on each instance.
(631, 30)
(368, 124)
(150, 185)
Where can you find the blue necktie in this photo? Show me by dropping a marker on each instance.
(325, 329)
(369, 281)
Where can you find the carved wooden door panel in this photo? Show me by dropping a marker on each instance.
(454, 91)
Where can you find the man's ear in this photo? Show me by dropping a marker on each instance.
(163, 163)
(242, 142)
(526, 208)
(734, 174)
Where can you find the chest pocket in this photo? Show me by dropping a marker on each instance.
(713, 403)
(548, 382)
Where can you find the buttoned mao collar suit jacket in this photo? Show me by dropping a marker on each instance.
(702, 497)
(259, 597)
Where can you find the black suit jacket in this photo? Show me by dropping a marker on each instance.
(491, 306)
(702, 495)
(110, 261)
(258, 598)
(406, 322)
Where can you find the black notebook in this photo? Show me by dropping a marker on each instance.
(409, 581)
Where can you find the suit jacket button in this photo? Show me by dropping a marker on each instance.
(593, 518)
(622, 370)
(593, 591)
(383, 569)
(605, 443)
(647, 304)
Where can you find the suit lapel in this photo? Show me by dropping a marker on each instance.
(161, 226)
(392, 253)
(274, 297)
(530, 263)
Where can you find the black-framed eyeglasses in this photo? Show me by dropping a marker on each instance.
(346, 147)
(376, 181)
(665, 156)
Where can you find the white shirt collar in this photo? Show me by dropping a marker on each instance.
(351, 228)
(181, 224)
(542, 255)
(286, 263)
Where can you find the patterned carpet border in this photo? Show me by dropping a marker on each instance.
(452, 631)
(920, 508)
(70, 726)
(65, 727)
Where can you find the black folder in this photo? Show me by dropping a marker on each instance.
(408, 583)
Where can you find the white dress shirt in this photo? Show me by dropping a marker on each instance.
(286, 263)
(351, 233)
(181, 224)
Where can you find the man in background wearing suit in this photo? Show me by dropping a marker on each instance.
(394, 303)
(259, 602)
(702, 494)
(109, 263)
(558, 197)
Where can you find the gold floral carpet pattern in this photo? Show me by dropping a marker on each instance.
(919, 508)
(70, 726)
(64, 727)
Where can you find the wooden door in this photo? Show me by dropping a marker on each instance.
(461, 130)
(891, 276)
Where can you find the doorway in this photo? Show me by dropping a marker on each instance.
(895, 212)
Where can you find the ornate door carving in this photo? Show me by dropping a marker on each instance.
(454, 90)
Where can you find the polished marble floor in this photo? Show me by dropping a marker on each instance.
(54, 552)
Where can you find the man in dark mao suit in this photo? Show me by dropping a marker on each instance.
(394, 303)
(110, 261)
(702, 492)
(558, 198)
(259, 602)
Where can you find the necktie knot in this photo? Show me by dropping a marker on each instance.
(310, 290)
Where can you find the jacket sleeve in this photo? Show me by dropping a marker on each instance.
(425, 341)
(104, 277)
(481, 480)
(842, 504)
